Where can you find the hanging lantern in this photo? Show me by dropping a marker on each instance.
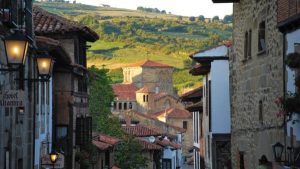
(44, 64)
(16, 46)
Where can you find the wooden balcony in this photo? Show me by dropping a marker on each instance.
(226, 1)
(288, 14)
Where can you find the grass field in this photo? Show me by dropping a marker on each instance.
(162, 38)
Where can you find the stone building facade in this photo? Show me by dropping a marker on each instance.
(256, 78)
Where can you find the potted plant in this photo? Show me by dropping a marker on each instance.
(293, 60)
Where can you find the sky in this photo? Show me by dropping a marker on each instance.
(178, 7)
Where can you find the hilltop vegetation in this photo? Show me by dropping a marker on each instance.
(131, 35)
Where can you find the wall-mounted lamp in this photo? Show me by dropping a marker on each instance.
(44, 65)
(16, 47)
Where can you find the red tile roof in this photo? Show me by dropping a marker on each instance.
(125, 91)
(148, 63)
(147, 145)
(145, 90)
(46, 23)
(104, 142)
(135, 113)
(197, 91)
(141, 131)
(174, 113)
(166, 142)
(101, 145)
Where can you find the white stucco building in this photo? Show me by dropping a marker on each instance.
(215, 121)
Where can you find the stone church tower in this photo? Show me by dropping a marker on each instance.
(150, 74)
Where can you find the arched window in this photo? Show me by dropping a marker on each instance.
(120, 106)
(125, 106)
(144, 98)
(130, 106)
(147, 98)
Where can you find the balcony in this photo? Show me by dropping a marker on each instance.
(288, 14)
(226, 1)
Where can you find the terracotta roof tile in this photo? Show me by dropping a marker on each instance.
(148, 63)
(49, 23)
(135, 113)
(101, 145)
(124, 91)
(174, 113)
(166, 142)
(108, 139)
(141, 131)
(104, 142)
(147, 145)
(197, 91)
(145, 90)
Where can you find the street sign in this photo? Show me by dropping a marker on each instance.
(12, 98)
(46, 162)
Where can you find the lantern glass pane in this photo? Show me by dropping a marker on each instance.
(53, 157)
(16, 51)
(44, 65)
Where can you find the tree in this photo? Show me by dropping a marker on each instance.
(201, 18)
(192, 18)
(215, 18)
(100, 99)
(128, 154)
(227, 19)
(179, 18)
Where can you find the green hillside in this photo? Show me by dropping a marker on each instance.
(129, 36)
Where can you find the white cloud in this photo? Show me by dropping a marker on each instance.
(180, 7)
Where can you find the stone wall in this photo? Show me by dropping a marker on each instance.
(187, 141)
(255, 83)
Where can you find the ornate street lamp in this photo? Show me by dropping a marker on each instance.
(16, 46)
(44, 65)
(277, 150)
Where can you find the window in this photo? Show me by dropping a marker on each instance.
(184, 124)
(260, 107)
(130, 105)
(82, 84)
(145, 98)
(247, 45)
(262, 37)
(120, 106)
(166, 164)
(125, 106)
(83, 130)
(115, 105)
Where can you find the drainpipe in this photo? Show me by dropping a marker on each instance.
(284, 92)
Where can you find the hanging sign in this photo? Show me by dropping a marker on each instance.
(12, 98)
